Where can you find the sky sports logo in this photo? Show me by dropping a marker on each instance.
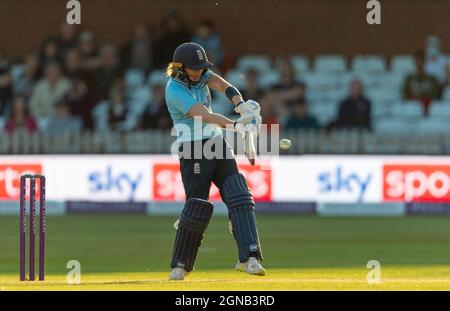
(418, 183)
(10, 178)
(342, 180)
(168, 185)
(114, 181)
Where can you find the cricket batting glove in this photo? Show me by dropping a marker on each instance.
(248, 125)
(248, 122)
(249, 109)
(249, 106)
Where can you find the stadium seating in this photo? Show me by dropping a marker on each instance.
(380, 109)
(432, 125)
(134, 78)
(381, 94)
(446, 93)
(363, 64)
(324, 111)
(139, 98)
(258, 62)
(408, 110)
(268, 79)
(221, 104)
(327, 79)
(16, 71)
(393, 125)
(157, 77)
(403, 64)
(440, 109)
(236, 77)
(300, 63)
(330, 63)
(2, 121)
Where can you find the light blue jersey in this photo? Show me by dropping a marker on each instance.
(180, 98)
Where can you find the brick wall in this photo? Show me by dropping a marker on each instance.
(247, 26)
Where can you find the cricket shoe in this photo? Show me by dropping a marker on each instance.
(251, 266)
(178, 274)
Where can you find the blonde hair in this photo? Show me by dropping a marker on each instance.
(172, 69)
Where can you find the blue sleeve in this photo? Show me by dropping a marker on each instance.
(207, 76)
(180, 98)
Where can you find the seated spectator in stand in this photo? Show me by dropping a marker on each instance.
(20, 118)
(299, 117)
(252, 89)
(156, 115)
(48, 91)
(67, 38)
(420, 86)
(88, 51)
(74, 70)
(109, 70)
(355, 110)
(62, 121)
(117, 111)
(288, 88)
(286, 91)
(173, 34)
(24, 86)
(5, 84)
(206, 36)
(49, 53)
(269, 115)
(81, 102)
(138, 52)
(72, 64)
(436, 64)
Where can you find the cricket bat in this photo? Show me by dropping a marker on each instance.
(249, 147)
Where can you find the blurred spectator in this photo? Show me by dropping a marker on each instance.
(67, 38)
(5, 84)
(288, 81)
(81, 102)
(436, 64)
(20, 117)
(421, 86)
(62, 121)
(72, 64)
(252, 89)
(173, 34)
(81, 97)
(109, 70)
(156, 115)
(138, 53)
(286, 91)
(88, 51)
(268, 114)
(355, 110)
(48, 91)
(50, 53)
(206, 36)
(117, 111)
(25, 84)
(299, 117)
(73, 69)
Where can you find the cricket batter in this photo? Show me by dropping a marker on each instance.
(189, 103)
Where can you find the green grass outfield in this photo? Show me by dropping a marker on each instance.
(126, 252)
